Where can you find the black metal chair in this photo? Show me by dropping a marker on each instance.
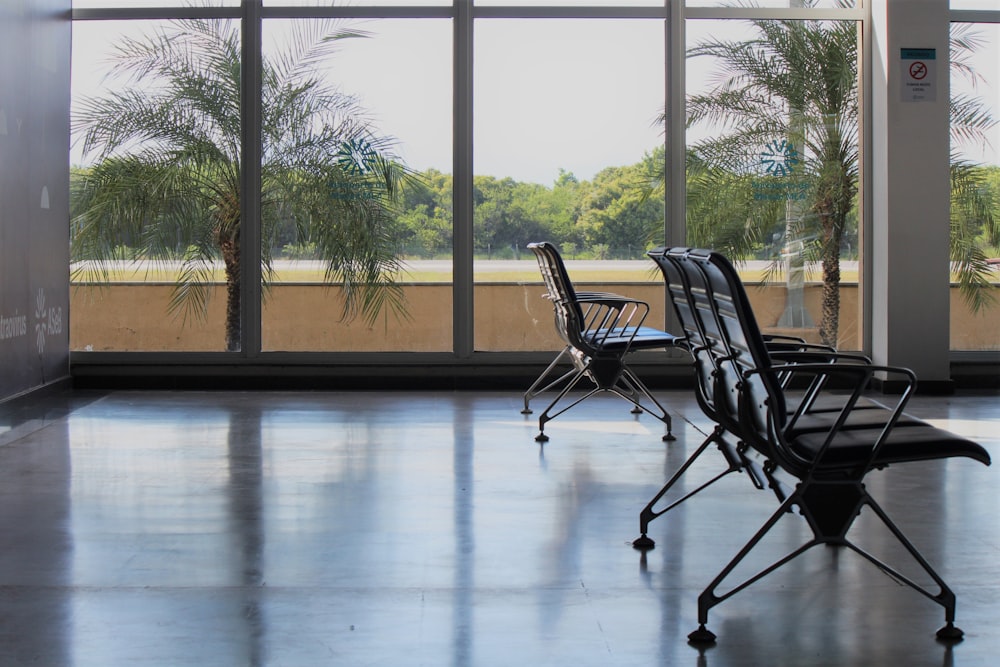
(705, 366)
(599, 329)
(689, 305)
(826, 454)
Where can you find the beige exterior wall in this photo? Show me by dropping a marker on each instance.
(509, 317)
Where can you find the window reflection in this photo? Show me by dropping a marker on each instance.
(357, 197)
(155, 185)
(772, 173)
(975, 198)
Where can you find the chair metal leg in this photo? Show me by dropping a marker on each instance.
(648, 513)
(830, 508)
(944, 597)
(545, 417)
(607, 374)
(709, 598)
(534, 391)
(634, 390)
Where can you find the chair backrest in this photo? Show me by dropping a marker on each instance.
(748, 394)
(569, 316)
(678, 293)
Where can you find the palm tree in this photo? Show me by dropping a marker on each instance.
(796, 82)
(164, 185)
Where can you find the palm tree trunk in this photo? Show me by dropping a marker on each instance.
(228, 237)
(231, 255)
(830, 322)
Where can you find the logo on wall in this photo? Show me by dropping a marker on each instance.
(779, 158)
(13, 326)
(48, 320)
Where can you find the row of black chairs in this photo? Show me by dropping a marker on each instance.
(792, 416)
(801, 412)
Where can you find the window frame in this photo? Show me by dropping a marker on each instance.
(463, 13)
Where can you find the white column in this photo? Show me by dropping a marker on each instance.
(909, 240)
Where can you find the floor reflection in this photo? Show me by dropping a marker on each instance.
(392, 528)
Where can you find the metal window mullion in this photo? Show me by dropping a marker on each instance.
(775, 14)
(675, 176)
(250, 181)
(867, 198)
(462, 221)
(153, 13)
(974, 16)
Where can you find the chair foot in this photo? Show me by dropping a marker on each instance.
(950, 633)
(526, 411)
(643, 543)
(669, 437)
(541, 437)
(701, 636)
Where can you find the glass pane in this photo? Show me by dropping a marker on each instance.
(975, 198)
(357, 185)
(559, 159)
(772, 174)
(155, 184)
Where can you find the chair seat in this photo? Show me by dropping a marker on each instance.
(823, 421)
(917, 443)
(642, 338)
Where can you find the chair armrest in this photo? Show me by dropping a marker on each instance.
(861, 374)
(610, 317)
(817, 354)
(586, 295)
(812, 354)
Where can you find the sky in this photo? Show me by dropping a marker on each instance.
(550, 95)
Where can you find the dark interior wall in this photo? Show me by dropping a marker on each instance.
(34, 193)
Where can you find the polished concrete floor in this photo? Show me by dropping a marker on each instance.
(397, 529)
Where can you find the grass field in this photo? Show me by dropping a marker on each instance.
(440, 271)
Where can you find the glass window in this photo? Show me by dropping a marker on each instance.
(772, 171)
(357, 151)
(155, 185)
(567, 150)
(975, 198)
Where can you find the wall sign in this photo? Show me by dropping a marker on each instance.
(918, 73)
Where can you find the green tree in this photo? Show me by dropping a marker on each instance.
(565, 207)
(426, 217)
(616, 212)
(506, 214)
(165, 181)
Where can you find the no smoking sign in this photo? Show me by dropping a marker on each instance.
(918, 75)
(918, 70)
